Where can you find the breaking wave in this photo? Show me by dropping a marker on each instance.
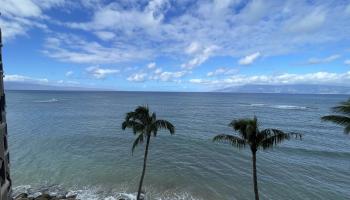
(47, 101)
(283, 107)
(98, 193)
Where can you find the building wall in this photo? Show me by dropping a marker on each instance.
(5, 181)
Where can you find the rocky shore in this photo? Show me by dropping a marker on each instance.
(44, 196)
(47, 196)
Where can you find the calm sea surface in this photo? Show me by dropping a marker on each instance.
(73, 141)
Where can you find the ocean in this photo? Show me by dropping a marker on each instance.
(73, 141)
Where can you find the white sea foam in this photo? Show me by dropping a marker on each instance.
(47, 101)
(99, 193)
(283, 107)
(289, 107)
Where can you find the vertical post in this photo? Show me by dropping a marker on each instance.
(5, 180)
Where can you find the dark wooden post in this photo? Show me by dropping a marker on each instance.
(5, 180)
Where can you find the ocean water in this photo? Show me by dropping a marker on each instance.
(72, 141)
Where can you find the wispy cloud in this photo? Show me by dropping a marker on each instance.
(105, 35)
(249, 59)
(69, 73)
(18, 17)
(200, 56)
(323, 60)
(188, 34)
(21, 78)
(286, 78)
(137, 77)
(222, 71)
(307, 22)
(168, 76)
(40, 81)
(70, 48)
(100, 73)
(136, 31)
(151, 65)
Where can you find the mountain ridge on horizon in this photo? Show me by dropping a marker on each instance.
(288, 89)
(249, 88)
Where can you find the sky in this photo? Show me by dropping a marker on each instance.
(168, 45)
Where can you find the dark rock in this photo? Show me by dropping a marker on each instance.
(71, 196)
(21, 196)
(44, 196)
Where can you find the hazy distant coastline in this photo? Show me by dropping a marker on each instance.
(278, 89)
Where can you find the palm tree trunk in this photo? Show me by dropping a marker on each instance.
(144, 169)
(255, 178)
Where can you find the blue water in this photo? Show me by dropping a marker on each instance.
(73, 141)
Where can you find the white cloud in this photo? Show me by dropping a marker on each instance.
(70, 48)
(151, 65)
(309, 78)
(323, 60)
(100, 73)
(20, 8)
(308, 22)
(63, 82)
(169, 76)
(192, 48)
(158, 71)
(137, 77)
(200, 57)
(158, 75)
(247, 60)
(69, 73)
(139, 31)
(136, 31)
(40, 81)
(21, 15)
(347, 62)
(222, 71)
(21, 78)
(105, 35)
(113, 17)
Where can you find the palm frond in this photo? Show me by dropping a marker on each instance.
(271, 137)
(347, 129)
(154, 117)
(134, 125)
(138, 140)
(344, 107)
(242, 125)
(231, 139)
(163, 124)
(142, 110)
(130, 116)
(140, 114)
(340, 120)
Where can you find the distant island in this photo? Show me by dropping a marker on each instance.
(288, 89)
(14, 85)
(283, 89)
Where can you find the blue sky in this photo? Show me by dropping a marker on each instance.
(167, 45)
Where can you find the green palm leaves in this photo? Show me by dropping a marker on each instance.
(249, 134)
(343, 118)
(144, 125)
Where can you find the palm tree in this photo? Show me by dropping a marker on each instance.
(249, 133)
(144, 125)
(343, 118)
